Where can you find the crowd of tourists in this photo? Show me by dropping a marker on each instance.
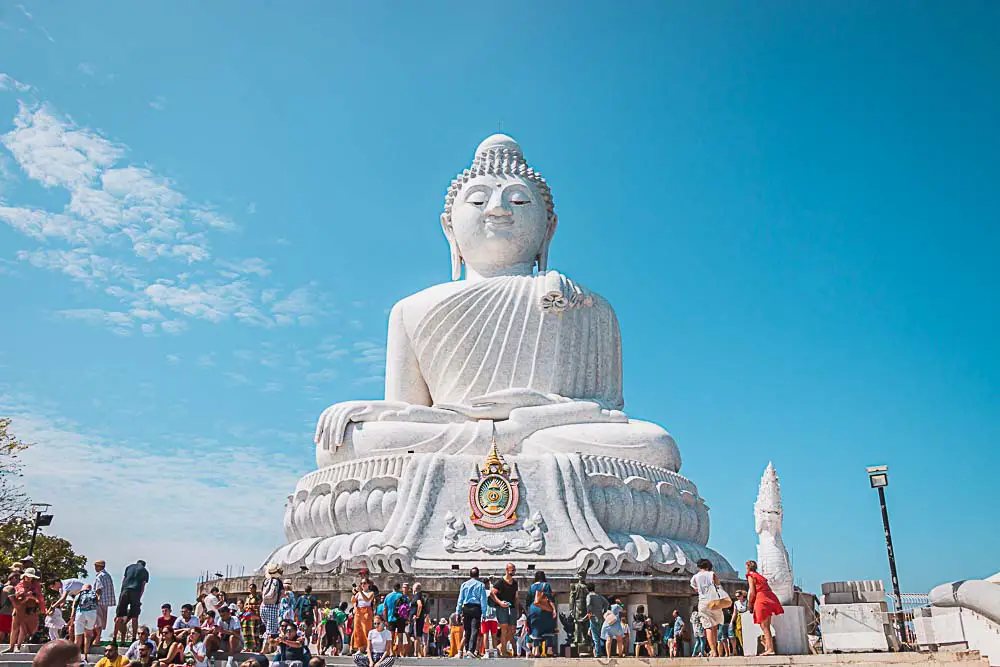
(491, 618)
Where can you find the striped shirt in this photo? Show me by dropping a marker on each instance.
(105, 588)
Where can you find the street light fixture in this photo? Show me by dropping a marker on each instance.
(878, 477)
(41, 520)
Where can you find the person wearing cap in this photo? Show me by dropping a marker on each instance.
(29, 607)
(105, 587)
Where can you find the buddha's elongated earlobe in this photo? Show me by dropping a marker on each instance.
(456, 256)
(543, 253)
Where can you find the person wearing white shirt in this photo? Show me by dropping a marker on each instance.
(378, 641)
(185, 623)
(226, 635)
(213, 601)
(133, 651)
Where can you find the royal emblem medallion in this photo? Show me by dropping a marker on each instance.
(493, 492)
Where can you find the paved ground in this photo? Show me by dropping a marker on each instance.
(940, 659)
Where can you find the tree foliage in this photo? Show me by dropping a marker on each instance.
(13, 500)
(54, 557)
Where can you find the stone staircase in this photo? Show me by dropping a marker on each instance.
(939, 659)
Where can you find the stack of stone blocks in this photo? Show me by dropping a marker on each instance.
(854, 618)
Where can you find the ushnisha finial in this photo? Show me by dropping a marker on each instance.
(499, 141)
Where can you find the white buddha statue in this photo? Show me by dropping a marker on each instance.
(509, 350)
(512, 367)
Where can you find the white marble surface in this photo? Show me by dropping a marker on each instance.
(509, 353)
(855, 628)
(788, 629)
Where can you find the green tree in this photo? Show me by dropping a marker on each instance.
(54, 557)
(13, 500)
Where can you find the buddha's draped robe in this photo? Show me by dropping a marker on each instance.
(537, 332)
(544, 333)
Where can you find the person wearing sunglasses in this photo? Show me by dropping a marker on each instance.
(292, 648)
(377, 654)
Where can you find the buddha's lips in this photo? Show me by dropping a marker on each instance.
(500, 222)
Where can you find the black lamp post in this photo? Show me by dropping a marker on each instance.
(878, 476)
(41, 520)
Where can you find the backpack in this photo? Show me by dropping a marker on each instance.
(402, 609)
(272, 589)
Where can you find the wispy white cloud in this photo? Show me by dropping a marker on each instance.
(86, 68)
(24, 11)
(173, 359)
(249, 266)
(159, 103)
(68, 462)
(114, 206)
(119, 323)
(9, 83)
(299, 306)
(79, 264)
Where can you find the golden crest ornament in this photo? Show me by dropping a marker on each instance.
(493, 492)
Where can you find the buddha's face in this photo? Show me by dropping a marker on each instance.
(497, 222)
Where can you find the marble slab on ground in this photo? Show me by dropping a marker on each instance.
(789, 631)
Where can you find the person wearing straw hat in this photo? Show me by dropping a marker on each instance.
(29, 607)
(271, 595)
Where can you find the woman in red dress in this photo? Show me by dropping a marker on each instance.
(763, 603)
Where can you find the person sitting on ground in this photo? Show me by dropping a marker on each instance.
(169, 651)
(186, 623)
(293, 648)
(111, 657)
(165, 619)
(58, 653)
(376, 653)
(147, 657)
(208, 623)
(225, 636)
(143, 639)
(194, 651)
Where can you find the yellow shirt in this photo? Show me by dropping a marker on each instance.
(120, 661)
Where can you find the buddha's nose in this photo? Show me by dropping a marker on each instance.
(497, 211)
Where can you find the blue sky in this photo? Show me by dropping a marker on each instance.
(209, 208)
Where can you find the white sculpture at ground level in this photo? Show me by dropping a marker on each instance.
(772, 557)
(512, 364)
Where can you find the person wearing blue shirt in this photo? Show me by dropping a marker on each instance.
(471, 603)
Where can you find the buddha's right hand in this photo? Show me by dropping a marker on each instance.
(332, 425)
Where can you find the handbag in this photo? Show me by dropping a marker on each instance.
(542, 601)
(721, 599)
(610, 617)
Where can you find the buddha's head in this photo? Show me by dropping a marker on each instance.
(498, 213)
